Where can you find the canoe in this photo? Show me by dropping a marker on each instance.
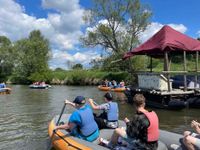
(104, 88)
(120, 89)
(62, 140)
(5, 91)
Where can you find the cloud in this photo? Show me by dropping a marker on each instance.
(62, 26)
(155, 27)
(198, 33)
(62, 59)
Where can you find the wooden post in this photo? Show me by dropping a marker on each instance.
(185, 79)
(151, 67)
(197, 66)
(166, 68)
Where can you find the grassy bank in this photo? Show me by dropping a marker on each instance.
(85, 77)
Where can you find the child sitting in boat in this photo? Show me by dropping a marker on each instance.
(142, 132)
(109, 117)
(81, 123)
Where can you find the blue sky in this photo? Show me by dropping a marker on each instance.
(61, 22)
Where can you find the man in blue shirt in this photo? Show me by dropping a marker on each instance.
(81, 123)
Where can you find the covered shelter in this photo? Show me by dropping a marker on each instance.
(165, 43)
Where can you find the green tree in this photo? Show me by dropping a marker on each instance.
(77, 66)
(6, 58)
(116, 25)
(33, 55)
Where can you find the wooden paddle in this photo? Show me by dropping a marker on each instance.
(57, 123)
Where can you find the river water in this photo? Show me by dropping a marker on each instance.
(25, 114)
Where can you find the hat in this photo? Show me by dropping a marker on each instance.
(79, 100)
(108, 96)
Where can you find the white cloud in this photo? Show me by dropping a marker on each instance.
(61, 58)
(62, 27)
(155, 27)
(198, 33)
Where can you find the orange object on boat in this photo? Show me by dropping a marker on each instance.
(104, 88)
(120, 89)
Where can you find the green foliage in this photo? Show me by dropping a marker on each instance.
(42, 76)
(7, 58)
(32, 56)
(87, 77)
(77, 66)
(116, 25)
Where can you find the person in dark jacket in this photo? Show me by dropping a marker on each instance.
(81, 123)
(142, 131)
(109, 117)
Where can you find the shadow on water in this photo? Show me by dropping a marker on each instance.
(25, 114)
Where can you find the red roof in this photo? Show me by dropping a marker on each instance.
(167, 39)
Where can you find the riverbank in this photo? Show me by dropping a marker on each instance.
(75, 77)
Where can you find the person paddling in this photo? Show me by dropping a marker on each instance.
(81, 123)
(109, 117)
(141, 133)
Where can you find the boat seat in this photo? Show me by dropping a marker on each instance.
(162, 146)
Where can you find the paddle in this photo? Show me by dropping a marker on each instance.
(57, 123)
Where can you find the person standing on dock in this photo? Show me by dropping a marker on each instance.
(109, 117)
(142, 132)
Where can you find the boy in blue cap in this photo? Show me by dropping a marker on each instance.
(81, 123)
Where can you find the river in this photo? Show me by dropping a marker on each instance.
(25, 114)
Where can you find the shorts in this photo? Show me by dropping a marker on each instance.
(197, 136)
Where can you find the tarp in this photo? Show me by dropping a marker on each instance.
(167, 39)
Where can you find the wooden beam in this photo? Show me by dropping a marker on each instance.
(185, 68)
(166, 68)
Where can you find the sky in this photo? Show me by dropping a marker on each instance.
(60, 21)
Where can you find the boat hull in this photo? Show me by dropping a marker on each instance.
(62, 140)
(5, 91)
(32, 86)
(104, 88)
(122, 89)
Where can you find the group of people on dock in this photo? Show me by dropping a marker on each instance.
(141, 132)
(113, 84)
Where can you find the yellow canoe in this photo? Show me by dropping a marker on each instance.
(62, 140)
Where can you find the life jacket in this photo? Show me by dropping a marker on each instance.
(153, 129)
(2, 85)
(88, 125)
(112, 114)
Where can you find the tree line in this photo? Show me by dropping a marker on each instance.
(24, 59)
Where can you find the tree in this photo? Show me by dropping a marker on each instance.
(77, 66)
(33, 55)
(115, 25)
(7, 57)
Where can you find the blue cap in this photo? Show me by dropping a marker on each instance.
(79, 100)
